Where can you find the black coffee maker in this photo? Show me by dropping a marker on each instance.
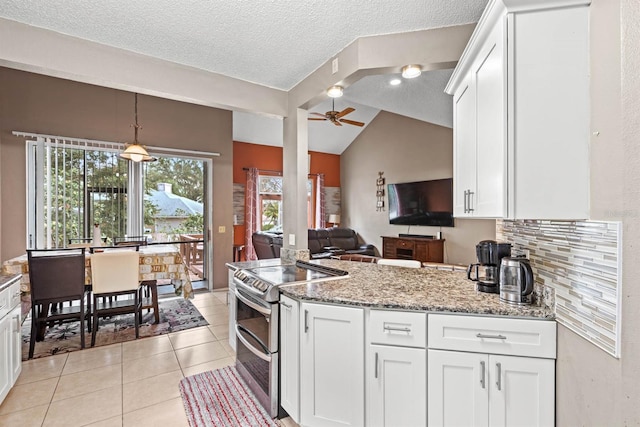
(487, 269)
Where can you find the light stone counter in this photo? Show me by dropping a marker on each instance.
(424, 289)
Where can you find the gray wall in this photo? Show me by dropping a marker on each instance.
(405, 150)
(594, 388)
(34, 103)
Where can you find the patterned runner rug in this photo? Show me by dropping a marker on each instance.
(220, 398)
(176, 314)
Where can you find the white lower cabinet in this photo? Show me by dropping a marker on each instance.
(290, 357)
(6, 375)
(331, 365)
(396, 386)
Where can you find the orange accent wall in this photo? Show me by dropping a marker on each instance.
(266, 157)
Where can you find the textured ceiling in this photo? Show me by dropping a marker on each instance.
(275, 43)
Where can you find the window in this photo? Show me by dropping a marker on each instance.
(270, 190)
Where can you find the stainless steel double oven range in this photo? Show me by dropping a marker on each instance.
(257, 323)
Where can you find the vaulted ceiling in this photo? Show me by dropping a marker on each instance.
(275, 43)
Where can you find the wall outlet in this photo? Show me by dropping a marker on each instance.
(222, 229)
(292, 239)
(525, 252)
(334, 66)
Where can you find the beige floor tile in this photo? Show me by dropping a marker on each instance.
(209, 366)
(85, 382)
(145, 347)
(168, 413)
(208, 300)
(221, 332)
(191, 337)
(111, 422)
(156, 364)
(42, 369)
(221, 295)
(29, 395)
(288, 422)
(26, 418)
(149, 391)
(213, 309)
(86, 409)
(92, 358)
(202, 353)
(217, 319)
(227, 347)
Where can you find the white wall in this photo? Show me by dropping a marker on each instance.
(405, 150)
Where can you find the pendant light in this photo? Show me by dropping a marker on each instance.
(135, 151)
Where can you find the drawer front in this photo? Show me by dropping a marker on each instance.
(4, 302)
(407, 329)
(14, 295)
(404, 244)
(518, 337)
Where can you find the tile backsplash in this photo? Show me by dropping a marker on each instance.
(580, 262)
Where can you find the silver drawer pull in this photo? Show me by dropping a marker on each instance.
(284, 304)
(492, 337)
(391, 328)
(482, 374)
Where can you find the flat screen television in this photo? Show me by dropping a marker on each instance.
(422, 203)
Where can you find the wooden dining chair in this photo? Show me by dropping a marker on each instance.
(411, 263)
(57, 276)
(115, 273)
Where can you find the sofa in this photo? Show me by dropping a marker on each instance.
(323, 243)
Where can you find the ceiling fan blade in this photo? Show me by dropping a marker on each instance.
(337, 123)
(313, 118)
(351, 122)
(345, 112)
(317, 114)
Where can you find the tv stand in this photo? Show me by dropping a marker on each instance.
(420, 248)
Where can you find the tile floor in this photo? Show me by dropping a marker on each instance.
(129, 384)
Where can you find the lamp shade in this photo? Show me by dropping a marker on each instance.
(334, 219)
(335, 91)
(137, 153)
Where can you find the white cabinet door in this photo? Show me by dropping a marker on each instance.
(464, 149)
(16, 344)
(331, 365)
(289, 357)
(491, 127)
(522, 391)
(396, 386)
(5, 357)
(458, 389)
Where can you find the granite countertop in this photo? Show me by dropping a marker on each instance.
(424, 289)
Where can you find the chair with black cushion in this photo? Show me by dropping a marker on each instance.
(57, 276)
(130, 240)
(115, 273)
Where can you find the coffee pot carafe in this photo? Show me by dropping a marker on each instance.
(516, 281)
(487, 271)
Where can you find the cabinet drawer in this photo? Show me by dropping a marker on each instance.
(407, 329)
(5, 301)
(404, 244)
(518, 337)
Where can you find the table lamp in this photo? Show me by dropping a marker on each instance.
(334, 219)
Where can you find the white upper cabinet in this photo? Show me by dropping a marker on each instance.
(521, 113)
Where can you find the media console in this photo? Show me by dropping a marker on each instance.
(419, 248)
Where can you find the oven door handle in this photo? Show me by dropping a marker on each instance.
(256, 307)
(251, 348)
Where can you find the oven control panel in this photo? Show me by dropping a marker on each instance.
(251, 281)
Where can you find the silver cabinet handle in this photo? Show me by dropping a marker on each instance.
(391, 328)
(482, 374)
(499, 375)
(470, 202)
(466, 192)
(375, 372)
(284, 304)
(306, 320)
(491, 337)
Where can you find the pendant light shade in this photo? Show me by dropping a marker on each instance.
(135, 151)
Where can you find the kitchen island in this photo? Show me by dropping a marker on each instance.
(400, 346)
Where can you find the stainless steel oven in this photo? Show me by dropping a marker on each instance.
(257, 323)
(257, 348)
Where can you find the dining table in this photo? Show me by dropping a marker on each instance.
(157, 262)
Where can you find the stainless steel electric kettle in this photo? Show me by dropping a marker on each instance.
(516, 281)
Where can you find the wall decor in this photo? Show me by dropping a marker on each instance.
(380, 192)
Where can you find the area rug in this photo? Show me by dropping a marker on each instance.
(221, 398)
(176, 314)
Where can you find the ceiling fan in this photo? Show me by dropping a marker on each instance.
(335, 117)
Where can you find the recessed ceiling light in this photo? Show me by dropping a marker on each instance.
(395, 82)
(411, 71)
(335, 91)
